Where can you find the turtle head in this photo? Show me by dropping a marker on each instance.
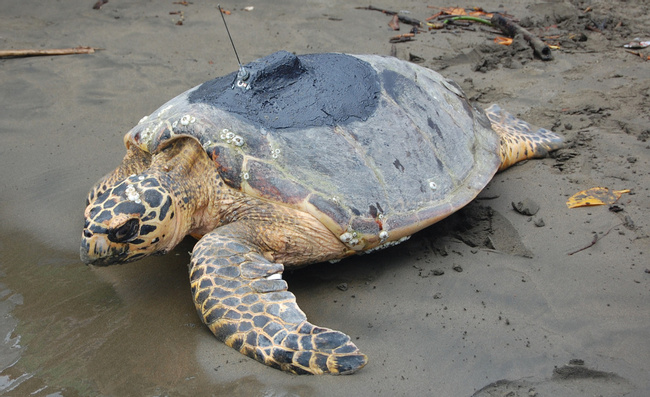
(132, 219)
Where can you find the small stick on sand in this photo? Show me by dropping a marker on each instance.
(402, 18)
(60, 51)
(512, 29)
(594, 240)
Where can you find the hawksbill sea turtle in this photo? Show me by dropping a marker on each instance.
(312, 158)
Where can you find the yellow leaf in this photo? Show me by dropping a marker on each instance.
(595, 196)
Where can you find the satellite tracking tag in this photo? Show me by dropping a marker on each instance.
(241, 80)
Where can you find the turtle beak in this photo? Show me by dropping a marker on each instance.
(98, 251)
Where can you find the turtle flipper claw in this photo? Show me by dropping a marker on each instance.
(240, 297)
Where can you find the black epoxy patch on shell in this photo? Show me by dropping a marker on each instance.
(298, 92)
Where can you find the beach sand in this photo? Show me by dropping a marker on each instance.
(485, 303)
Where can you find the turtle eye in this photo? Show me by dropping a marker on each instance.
(124, 233)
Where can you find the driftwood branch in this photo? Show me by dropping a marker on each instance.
(512, 29)
(60, 51)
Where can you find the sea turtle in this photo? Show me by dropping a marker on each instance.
(307, 159)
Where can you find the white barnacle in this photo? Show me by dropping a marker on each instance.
(192, 120)
(383, 235)
(432, 185)
(141, 177)
(346, 237)
(142, 120)
(146, 136)
(387, 244)
(185, 120)
(207, 144)
(174, 124)
(246, 176)
(237, 140)
(132, 195)
(227, 135)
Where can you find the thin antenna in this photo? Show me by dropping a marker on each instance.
(243, 74)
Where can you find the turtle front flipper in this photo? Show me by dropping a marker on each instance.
(240, 296)
(520, 140)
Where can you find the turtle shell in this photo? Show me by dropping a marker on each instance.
(374, 147)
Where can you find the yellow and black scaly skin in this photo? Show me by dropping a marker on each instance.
(520, 140)
(241, 298)
(132, 212)
(134, 162)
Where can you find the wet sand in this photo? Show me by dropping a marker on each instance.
(511, 311)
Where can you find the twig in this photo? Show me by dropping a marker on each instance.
(512, 29)
(99, 4)
(595, 240)
(402, 18)
(61, 51)
(401, 38)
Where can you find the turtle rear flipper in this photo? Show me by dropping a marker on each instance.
(520, 140)
(239, 296)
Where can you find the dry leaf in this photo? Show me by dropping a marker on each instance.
(595, 196)
(480, 14)
(394, 22)
(503, 40)
(454, 11)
